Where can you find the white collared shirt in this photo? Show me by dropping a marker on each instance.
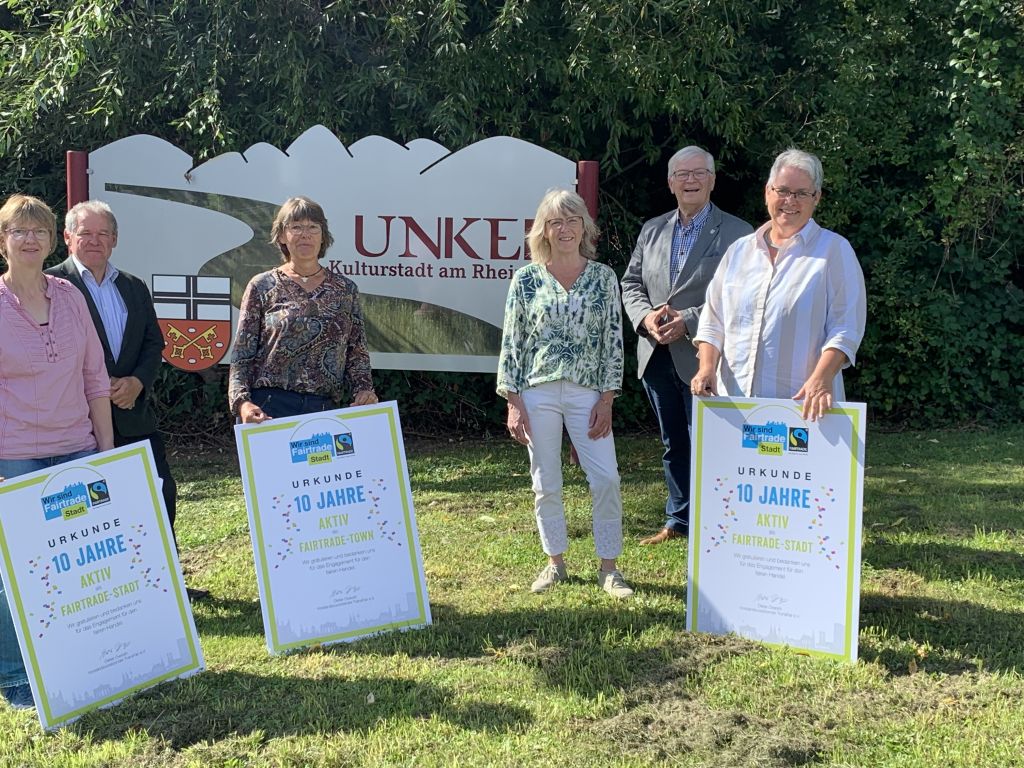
(109, 303)
(772, 322)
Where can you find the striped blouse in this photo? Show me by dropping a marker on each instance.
(772, 322)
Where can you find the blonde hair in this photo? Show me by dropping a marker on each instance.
(299, 209)
(25, 208)
(561, 202)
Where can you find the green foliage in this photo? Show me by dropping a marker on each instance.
(914, 108)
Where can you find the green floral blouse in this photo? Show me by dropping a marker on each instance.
(552, 334)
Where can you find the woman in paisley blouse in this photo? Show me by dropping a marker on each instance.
(561, 364)
(300, 342)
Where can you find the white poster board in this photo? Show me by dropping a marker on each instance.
(430, 236)
(94, 584)
(333, 526)
(775, 523)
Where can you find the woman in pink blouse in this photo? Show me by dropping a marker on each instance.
(54, 388)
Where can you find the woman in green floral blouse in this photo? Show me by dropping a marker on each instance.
(561, 364)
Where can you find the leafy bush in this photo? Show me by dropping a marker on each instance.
(913, 107)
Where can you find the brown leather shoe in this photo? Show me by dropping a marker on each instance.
(661, 537)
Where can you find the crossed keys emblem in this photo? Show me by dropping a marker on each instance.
(205, 351)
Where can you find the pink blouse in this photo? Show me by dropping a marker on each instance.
(48, 375)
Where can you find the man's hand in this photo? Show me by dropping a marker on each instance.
(665, 325)
(124, 391)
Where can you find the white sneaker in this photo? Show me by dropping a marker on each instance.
(613, 583)
(551, 575)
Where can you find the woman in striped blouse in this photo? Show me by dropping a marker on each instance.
(785, 311)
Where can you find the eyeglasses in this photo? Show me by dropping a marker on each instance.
(698, 174)
(799, 194)
(103, 234)
(303, 229)
(21, 234)
(571, 221)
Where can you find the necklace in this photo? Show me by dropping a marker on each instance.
(306, 278)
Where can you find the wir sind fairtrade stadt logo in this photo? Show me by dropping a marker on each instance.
(321, 447)
(775, 438)
(77, 497)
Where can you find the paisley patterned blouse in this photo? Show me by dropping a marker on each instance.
(313, 343)
(552, 334)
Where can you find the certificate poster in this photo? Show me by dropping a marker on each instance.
(775, 524)
(94, 584)
(333, 527)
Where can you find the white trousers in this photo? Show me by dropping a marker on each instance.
(548, 407)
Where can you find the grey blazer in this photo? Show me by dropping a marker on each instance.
(645, 284)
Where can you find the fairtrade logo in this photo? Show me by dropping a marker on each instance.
(75, 499)
(98, 492)
(797, 440)
(343, 445)
(774, 438)
(321, 448)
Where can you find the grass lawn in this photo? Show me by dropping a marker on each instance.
(573, 678)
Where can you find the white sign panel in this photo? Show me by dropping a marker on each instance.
(94, 584)
(333, 527)
(775, 524)
(431, 237)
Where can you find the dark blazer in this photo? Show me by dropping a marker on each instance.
(141, 347)
(645, 284)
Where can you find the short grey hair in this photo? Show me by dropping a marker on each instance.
(89, 206)
(802, 161)
(690, 151)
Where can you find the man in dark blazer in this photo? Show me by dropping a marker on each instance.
(663, 291)
(122, 311)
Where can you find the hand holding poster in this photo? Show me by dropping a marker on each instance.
(774, 551)
(89, 565)
(333, 527)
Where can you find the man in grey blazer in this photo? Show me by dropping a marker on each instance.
(663, 290)
(122, 311)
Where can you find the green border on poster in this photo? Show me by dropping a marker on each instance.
(273, 643)
(26, 631)
(695, 529)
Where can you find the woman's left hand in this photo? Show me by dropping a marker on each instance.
(817, 396)
(600, 420)
(365, 397)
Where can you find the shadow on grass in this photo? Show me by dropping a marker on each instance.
(216, 705)
(589, 650)
(959, 636)
(944, 561)
(242, 618)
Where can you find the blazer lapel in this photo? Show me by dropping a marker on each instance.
(702, 248)
(131, 329)
(663, 256)
(71, 275)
